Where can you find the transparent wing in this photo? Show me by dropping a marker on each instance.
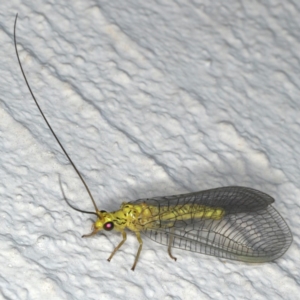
(250, 229)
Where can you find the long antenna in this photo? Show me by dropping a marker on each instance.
(58, 141)
(75, 208)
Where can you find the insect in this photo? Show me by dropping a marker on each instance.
(237, 223)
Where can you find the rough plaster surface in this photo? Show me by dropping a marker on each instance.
(149, 98)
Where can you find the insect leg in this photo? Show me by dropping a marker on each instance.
(94, 231)
(138, 236)
(171, 237)
(119, 246)
(88, 235)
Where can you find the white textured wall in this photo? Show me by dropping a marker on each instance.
(149, 98)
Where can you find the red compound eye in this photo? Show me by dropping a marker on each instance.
(108, 226)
